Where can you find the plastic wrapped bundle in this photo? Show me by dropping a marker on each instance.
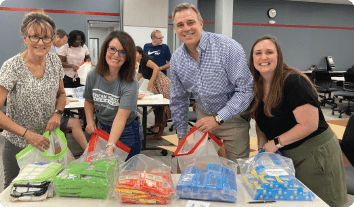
(88, 179)
(79, 92)
(271, 176)
(144, 180)
(216, 182)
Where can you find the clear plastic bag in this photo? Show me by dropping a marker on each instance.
(79, 92)
(83, 69)
(144, 180)
(270, 176)
(209, 178)
(98, 142)
(194, 145)
(58, 151)
(95, 178)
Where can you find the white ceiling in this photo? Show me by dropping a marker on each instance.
(347, 2)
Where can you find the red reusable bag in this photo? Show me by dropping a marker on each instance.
(196, 144)
(99, 140)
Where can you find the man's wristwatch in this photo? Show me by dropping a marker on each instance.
(277, 142)
(218, 119)
(60, 112)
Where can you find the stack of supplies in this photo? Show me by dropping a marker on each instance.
(271, 179)
(34, 182)
(88, 180)
(214, 183)
(144, 180)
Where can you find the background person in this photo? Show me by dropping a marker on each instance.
(111, 92)
(60, 39)
(160, 52)
(159, 84)
(214, 69)
(32, 82)
(72, 55)
(289, 118)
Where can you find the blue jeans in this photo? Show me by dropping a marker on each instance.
(131, 136)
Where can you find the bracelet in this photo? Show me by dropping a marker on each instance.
(111, 144)
(24, 133)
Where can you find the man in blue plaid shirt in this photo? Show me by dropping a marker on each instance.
(214, 69)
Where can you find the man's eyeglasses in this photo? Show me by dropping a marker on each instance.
(35, 38)
(113, 50)
(159, 38)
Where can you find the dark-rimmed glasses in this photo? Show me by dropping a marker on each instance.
(159, 38)
(35, 38)
(113, 51)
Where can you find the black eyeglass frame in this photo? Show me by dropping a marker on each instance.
(121, 53)
(39, 38)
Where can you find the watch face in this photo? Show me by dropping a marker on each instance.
(272, 13)
(276, 141)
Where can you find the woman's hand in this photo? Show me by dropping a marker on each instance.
(54, 122)
(75, 68)
(110, 149)
(270, 146)
(150, 86)
(37, 140)
(90, 127)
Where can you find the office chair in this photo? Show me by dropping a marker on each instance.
(347, 146)
(347, 94)
(323, 83)
(192, 115)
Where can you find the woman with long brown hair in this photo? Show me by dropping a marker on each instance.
(289, 119)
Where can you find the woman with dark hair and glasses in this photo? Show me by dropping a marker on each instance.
(32, 82)
(72, 55)
(159, 83)
(111, 92)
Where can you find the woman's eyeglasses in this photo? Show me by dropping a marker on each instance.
(35, 38)
(113, 50)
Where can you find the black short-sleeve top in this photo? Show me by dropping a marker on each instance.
(144, 69)
(297, 91)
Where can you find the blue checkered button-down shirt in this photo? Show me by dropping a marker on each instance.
(220, 81)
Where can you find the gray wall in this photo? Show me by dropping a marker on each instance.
(302, 47)
(11, 40)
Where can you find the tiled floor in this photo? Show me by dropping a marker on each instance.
(168, 160)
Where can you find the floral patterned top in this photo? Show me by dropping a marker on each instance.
(31, 100)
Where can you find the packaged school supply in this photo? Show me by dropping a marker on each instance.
(215, 182)
(144, 180)
(58, 151)
(91, 179)
(34, 182)
(271, 176)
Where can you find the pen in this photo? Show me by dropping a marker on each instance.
(261, 202)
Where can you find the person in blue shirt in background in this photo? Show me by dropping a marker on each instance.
(213, 68)
(160, 52)
(59, 40)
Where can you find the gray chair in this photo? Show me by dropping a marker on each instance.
(347, 94)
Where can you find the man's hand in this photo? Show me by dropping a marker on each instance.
(54, 122)
(270, 146)
(206, 124)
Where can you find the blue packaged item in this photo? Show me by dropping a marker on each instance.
(273, 178)
(216, 182)
(300, 193)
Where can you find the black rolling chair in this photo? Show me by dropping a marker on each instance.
(347, 147)
(323, 83)
(347, 94)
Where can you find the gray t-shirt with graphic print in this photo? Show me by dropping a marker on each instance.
(31, 100)
(109, 96)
